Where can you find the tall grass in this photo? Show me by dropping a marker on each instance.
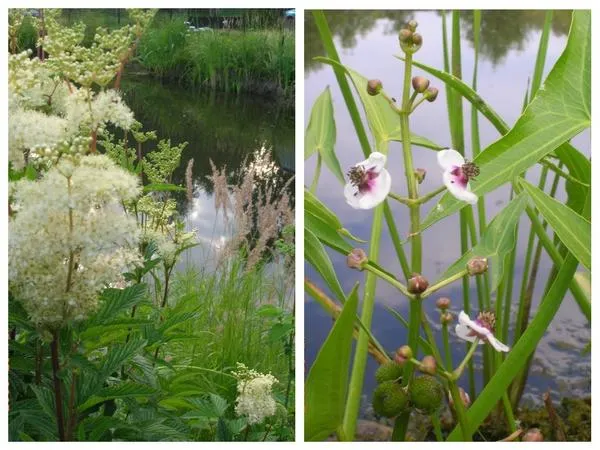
(257, 61)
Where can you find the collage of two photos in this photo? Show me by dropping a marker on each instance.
(436, 233)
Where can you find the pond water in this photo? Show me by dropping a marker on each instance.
(367, 42)
(227, 129)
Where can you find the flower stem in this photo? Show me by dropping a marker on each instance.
(384, 276)
(57, 386)
(439, 285)
(446, 341)
(362, 346)
(461, 367)
(425, 198)
(437, 427)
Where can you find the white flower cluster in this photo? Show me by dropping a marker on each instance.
(70, 238)
(255, 394)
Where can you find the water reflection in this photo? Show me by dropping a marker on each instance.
(501, 31)
(234, 132)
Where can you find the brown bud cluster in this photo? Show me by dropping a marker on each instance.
(417, 284)
(356, 259)
(403, 354)
(477, 266)
(374, 87)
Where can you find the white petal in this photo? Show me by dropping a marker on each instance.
(499, 346)
(464, 332)
(463, 318)
(351, 199)
(376, 160)
(447, 159)
(458, 191)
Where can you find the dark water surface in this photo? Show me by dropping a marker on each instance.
(367, 42)
(227, 129)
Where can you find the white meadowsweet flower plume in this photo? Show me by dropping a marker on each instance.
(457, 173)
(481, 328)
(369, 182)
(70, 238)
(255, 394)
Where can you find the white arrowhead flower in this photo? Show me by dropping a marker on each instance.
(481, 328)
(369, 182)
(457, 173)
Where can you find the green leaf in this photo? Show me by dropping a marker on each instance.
(162, 187)
(579, 168)
(559, 111)
(279, 331)
(126, 389)
(384, 122)
(584, 301)
(325, 233)
(314, 206)
(320, 134)
(119, 355)
(496, 243)
(219, 403)
(573, 230)
(327, 382)
(116, 301)
(316, 255)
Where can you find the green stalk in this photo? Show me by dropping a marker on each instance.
(461, 412)
(447, 350)
(362, 346)
(415, 305)
(443, 283)
(437, 427)
(540, 59)
(396, 241)
(384, 276)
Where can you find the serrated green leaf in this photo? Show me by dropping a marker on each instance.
(559, 111)
(327, 382)
(320, 134)
(219, 403)
(126, 389)
(573, 230)
(383, 121)
(316, 255)
(116, 301)
(496, 243)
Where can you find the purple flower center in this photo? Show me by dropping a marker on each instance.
(485, 319)
(363, 179)
(464, 173)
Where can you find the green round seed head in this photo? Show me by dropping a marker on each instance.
(426, 393)
(389, 371)
(389, 399)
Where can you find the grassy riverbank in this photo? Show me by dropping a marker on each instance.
(255, 61)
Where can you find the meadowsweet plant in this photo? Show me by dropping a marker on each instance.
(420, 378)
(255, 394)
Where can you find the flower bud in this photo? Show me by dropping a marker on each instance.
(466, 400)
(417, 284)
(420, 84)
(405, 36)
(374, 87)
(417, 40)
(412, 25)
(356, 259)
(431, 94)
(403, 354)
(443, 303)
(420, 175)
(477, 266)
(428, 365)
(446, 318)
(533, 435)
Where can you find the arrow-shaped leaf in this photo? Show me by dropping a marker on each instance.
(320, 134)
(314, 206)
(327, 382)
(572, 229)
